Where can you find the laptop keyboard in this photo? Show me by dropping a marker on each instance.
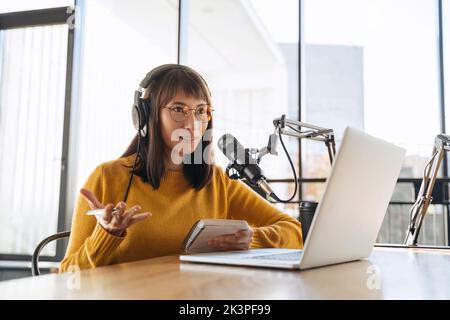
(290, 256)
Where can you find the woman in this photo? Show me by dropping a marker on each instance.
(175, 185)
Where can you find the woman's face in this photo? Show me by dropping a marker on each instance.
(183, 135)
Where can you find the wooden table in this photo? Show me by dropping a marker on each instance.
(389, 273)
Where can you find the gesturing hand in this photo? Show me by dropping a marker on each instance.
(115, 219)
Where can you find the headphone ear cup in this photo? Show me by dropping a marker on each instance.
(145, 111)
(140, 115)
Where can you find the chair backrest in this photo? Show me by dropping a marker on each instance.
(35, 258)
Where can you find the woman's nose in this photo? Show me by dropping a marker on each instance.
(190, 121)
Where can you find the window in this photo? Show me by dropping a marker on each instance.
(248, 53)
(33, 62)
(374, 65)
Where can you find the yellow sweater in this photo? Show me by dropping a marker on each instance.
(175, 206)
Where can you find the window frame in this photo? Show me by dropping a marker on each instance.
(40, 17)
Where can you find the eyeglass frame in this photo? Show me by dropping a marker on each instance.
(186, 114)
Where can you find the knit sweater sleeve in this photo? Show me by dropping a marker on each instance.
(89, 245)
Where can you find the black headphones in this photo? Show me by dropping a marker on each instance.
(141, 106)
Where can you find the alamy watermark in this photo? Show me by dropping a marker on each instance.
(74, 278)
(374, 280)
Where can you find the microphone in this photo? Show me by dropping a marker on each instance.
(245, 165)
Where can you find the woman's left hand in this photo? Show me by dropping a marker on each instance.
(241, 240)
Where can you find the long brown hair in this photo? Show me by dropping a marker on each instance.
(151, 164)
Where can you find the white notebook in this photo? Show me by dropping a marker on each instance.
(196, 241)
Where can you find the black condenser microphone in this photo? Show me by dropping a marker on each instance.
(245, 165)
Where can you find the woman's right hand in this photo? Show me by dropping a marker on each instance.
(118, 221)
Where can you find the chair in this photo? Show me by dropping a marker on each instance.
(35, 258)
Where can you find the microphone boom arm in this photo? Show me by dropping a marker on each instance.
(291, 128)
(424, 197)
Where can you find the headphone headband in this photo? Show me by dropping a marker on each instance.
(148, 78)
(165, 67)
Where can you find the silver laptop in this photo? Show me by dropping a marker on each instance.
(348, 217)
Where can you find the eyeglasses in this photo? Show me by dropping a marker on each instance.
(180, 112)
